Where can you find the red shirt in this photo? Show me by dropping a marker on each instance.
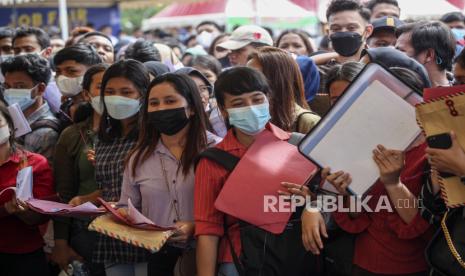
(209, 179)
(16, 236)
(385, 244)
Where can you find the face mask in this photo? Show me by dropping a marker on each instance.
(20, 96)
(458, 33)
(69, 87)
(225, 63)
(121, 108)
(5, 57)
(97, 105)
(250, 119)
(205, 39)
(169, 121)
(4, 134)
(346, 44)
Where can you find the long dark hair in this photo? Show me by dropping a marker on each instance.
(134, 72)
(196, 140)
(286, 82)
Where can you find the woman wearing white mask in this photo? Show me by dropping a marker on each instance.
(75, 177)
(71, 64)
(124, 85)
(21, 244)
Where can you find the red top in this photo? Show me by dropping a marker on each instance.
(16, 236)
(385, 244)
(209, 179)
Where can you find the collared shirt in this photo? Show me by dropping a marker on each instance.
(209, 180)
(16, 236)
(160, 198)
(41, 140)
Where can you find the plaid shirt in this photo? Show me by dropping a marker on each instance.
(109, 167)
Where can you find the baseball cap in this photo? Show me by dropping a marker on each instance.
(386, 23)
(245, 35)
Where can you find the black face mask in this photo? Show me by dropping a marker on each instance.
(168, 121)
(346, 44)
(225, 62)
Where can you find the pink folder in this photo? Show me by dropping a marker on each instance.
(61, 209)
(267, 163)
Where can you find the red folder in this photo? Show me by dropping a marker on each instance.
(439, 92)
(267, 163)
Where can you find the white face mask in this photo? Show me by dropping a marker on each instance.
(206, 38)
(5, 57)
(69, 87)
(97, 105)
(20, 96)
(4, 134)
(121, 108)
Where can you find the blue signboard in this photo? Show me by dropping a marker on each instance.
(48, 17)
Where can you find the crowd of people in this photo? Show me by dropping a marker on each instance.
(128, 120)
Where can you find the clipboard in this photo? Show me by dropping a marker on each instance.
(375, 109)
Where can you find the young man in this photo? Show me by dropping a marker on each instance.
(102, 43)
(71, 64)
(455, 20)
(431, 44)
(244, 41)
(31, 40)
(384, 32)
(6, 43)
(380, 8)
(207, 31)
(26, 78)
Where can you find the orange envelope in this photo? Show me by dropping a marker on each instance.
(439, 92)
(266, 164)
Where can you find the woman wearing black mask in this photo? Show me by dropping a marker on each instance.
(159, 175)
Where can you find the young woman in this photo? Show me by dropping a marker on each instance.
(289, 110)
(339, 77)
(296, 42)
(75, 177)
(159, 177)
(208, 65)
(124, 85)
(21, 244)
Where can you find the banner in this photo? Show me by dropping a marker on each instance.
(48, 17)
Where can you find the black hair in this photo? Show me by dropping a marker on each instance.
(460, 59)
(452, 17)
(211, 50)
(89, 34)
(209, 22)
(133, 71)
(407, 27)
(373, 3)
(196, 135)
(207, 62)
(95, 69)
(191, 37)
(240, 80)
(346, 72)
(347, 5)
(142, 51)
(410, 77)
(302, 34)
(36, 67)
(6, 32)
(80, 53)
(437, 36)
(42, 37)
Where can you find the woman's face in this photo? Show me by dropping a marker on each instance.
(3, 122)
(293, 43)
(95, 84)
(209, 74)
(164, 96)
(336, 89)
(123, 87)
(203, 90)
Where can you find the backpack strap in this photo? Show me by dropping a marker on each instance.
(221, 157)
(46, 123)
(299, 117)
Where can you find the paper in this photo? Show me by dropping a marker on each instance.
(258, 177)
(148, 239)
(22, 126)
(62, 209)
(24, 184)
(133, 217)
(440, 92)
(346, 139)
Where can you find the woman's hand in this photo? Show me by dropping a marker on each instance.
(15, 206)
(390, 164)
(294, 189)
(91, 156)
(184, 232)
(340, 180)
(313, 227)
(450, 160)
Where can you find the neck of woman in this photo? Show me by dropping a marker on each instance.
(127, 125)
(95, 121)
(176, 143)
(244, 139)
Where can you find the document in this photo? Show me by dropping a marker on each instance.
(364, 117)
(22, 126)
(61, 209)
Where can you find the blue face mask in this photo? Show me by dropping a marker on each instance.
(121, 108)
(20, 96)
(250, 119)
(458, 33)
